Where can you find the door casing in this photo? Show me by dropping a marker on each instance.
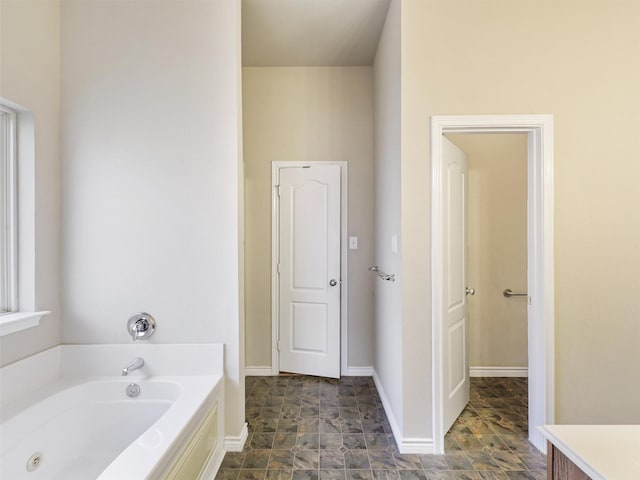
(275, 242)
(540, 276)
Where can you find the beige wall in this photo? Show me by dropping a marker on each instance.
(30, 77)
(578, 61)
(307, 114)
(497, 255)
(388, 313)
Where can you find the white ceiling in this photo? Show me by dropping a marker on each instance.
(311, 32)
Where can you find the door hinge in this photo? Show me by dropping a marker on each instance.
(278, 190)
(278, 346)
(278, 268)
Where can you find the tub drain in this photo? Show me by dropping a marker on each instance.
(133, 390)
(34, 461)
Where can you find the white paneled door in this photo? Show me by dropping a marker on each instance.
(309, 270)
(455, 345)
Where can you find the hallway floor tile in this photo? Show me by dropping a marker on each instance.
(309, 428)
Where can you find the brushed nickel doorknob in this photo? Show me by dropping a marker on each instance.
(333, 282)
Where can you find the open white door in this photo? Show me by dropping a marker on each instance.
(455, 345)
(309, 270)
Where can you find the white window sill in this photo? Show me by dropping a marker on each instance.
(18, 321)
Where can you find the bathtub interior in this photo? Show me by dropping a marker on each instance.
(81, 428)
(81, 442)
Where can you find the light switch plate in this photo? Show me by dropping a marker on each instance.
(353, 243)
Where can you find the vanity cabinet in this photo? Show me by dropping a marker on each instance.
(592, 452)
(560, 467)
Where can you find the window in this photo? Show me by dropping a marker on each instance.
(17, 220)
(8, 212)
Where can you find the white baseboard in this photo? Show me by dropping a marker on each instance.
(498, 372)
(420, 446)
(405, 445)
(387, 407)
(258, 371)
(236, 444)
(359, 372)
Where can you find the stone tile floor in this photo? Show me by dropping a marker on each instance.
(309, 428)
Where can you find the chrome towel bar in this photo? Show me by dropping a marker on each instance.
(508, 293)
(390, 277)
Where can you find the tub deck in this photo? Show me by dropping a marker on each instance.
(61, 406)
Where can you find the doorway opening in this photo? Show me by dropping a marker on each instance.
(496, 253)
(538, 129)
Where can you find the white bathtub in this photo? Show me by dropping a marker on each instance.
(78, 422)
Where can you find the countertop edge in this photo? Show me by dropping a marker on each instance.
(570, 453)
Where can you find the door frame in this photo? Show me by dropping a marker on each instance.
(275, 241)
(540, 255)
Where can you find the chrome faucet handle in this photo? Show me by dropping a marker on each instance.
(141, 326)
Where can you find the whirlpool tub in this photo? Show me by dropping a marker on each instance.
(68, 414)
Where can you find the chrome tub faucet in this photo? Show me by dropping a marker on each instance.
(136, 364)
